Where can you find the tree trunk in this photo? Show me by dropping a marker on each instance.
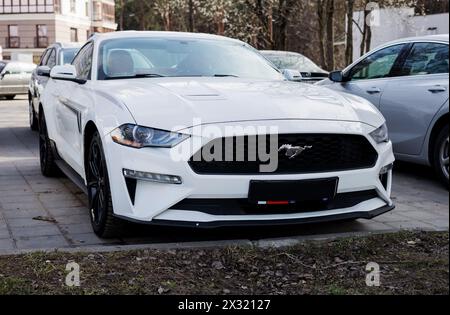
(142, 14)
(121, 16)
(330, 35)
(191, 16)
(322, 32)
(364, 34)
(368, 38)
(349, 38)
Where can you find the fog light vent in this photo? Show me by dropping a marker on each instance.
(153, 177)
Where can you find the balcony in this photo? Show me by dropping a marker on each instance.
(41, 42)
(12, 42)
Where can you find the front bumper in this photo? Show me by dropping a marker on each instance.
(156, 203)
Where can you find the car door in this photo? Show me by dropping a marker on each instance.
(370, 76)
(26, 69)
(72, 105)
(411, 101)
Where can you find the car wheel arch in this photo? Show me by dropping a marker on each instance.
(440, 123)
(89, 131)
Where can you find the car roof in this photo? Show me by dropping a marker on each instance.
(160, 34)
(66, 45)
(439, 38)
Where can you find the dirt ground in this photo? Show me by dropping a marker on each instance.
(410, 263)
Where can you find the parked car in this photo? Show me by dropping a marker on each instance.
(56, 54)
(408, 80)
(284, 60)
(139, 140)
(14, 78)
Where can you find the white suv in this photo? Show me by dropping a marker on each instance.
(201, 130)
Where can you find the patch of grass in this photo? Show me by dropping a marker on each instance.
(410, 262)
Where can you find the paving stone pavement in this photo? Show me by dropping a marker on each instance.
(422, 203)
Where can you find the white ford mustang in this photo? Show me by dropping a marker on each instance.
(201, 130)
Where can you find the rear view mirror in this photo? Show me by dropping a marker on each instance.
(66, 73)
(338, 76)
(292, 75)
(43, 71)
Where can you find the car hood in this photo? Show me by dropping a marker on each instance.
(178, 103)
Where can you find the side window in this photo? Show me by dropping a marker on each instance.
(83, 62)
(377, 65)
(426, 58)
(45, 57)
(51, 62)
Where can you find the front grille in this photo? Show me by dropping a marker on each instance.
(329, 153)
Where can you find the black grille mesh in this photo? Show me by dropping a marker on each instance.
(329, 153)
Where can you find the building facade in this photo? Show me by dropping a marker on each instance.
(27, 27)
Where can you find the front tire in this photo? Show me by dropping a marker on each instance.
(103, 221)
(441, 156)
(46, 154)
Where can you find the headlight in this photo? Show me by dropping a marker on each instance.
(381, 134)
(139, 137)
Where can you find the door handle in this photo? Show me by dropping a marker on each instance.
(374, 91)
(437, 89)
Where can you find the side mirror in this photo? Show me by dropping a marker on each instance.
(292, 75)
(43, 71)
(338, 76)
(3, 74)
(66, 73)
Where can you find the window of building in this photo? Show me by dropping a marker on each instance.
(97, 11)
(26, 6)
(86, 8)
(13, 36)
(41, 36)
(108, 12)
(73, 34)
(73, 6)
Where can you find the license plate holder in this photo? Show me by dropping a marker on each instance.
(293, 191)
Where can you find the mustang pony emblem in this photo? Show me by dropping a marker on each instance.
(291, 151)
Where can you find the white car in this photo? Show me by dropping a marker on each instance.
(208, 134)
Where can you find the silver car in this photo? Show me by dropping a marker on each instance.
(55, 55)
(14, 78)
(408, 80)
(308, 71)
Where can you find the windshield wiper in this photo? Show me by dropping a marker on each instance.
(136, 76)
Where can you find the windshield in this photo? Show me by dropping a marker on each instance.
(293, 62)
(131, 57)
(68, 54)
(2, 66)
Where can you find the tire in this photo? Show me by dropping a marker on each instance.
(46, 155)
(33, 118)
(441, 156)
(104, 223)
(10, 97)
